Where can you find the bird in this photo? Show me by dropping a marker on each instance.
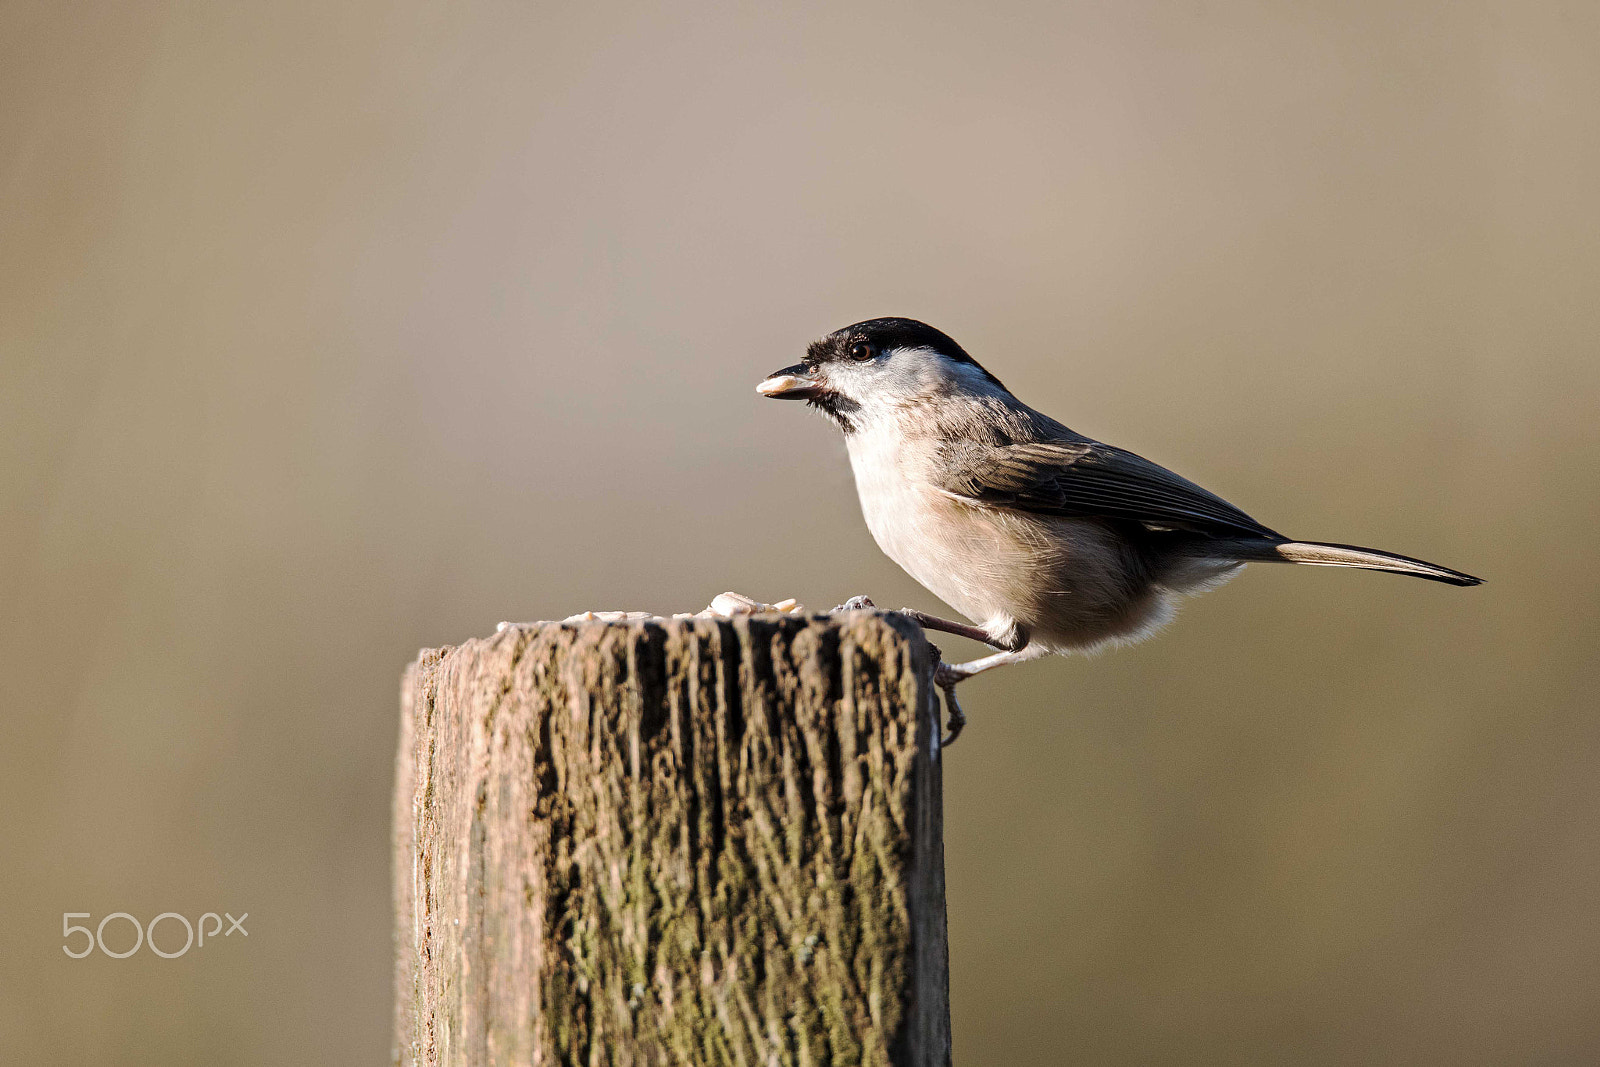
(1049, 541)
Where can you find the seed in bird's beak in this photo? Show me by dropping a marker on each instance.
(779, 384)
(790, 383)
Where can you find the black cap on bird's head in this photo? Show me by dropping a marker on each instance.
(885, 335)
(870, 342)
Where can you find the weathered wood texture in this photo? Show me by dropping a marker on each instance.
(696, 841)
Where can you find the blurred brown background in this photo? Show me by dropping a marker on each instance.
(329, 331)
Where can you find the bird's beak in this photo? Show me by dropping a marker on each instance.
(798, 382)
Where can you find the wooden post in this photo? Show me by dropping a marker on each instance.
(675, 842)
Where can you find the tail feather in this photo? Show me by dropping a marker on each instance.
(1320, 554)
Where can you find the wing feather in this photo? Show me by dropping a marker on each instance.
(1088, 479)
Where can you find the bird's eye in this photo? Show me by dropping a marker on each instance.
(861, 352)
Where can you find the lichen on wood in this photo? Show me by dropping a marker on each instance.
(689, 841)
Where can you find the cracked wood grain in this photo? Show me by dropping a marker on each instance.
(690, 841)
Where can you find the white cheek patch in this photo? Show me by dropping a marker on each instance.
(906, 376)
(893, 379)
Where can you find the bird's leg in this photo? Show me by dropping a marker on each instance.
(926, 621)
(960, 629)
(949, 674)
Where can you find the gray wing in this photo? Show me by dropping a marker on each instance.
(1089, 480)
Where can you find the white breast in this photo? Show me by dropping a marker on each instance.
(950, 548)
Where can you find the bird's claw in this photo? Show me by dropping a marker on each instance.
(855, 603)
(945, 677)
(955, 719)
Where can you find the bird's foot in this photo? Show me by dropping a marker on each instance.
(855, 603)
(945, 676)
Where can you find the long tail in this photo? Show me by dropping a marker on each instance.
(1318, 554)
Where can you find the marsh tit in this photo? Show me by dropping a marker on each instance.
(1049, 541)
